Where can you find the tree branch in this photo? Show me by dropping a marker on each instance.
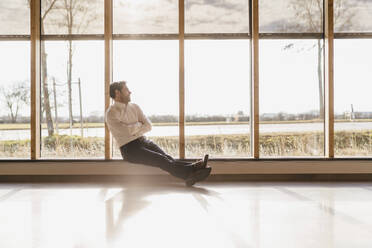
(48, 9)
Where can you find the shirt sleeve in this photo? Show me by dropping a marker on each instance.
(146, 127)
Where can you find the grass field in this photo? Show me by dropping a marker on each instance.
(347, 143)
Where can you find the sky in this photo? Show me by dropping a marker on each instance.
(217, 73)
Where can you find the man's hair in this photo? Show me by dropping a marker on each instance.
(116, 86)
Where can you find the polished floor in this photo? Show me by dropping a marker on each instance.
(211, 214)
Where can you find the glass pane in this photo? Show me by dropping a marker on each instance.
(291, 16)
(353, 16)
(226, 16)
(83, 74)
(353, 105)
(14, 17)
(145, 17)
(15, 99)
(151, 71)
(217, 104)
(72, 17)
(291, 98)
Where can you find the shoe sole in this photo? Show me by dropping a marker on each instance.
(198, 176)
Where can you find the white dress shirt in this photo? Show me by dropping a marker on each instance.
(126, 122)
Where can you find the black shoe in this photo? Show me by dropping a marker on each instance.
(200, 164)
(197, 176)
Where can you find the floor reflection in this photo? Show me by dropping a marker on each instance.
(171, 215)
(134, 199)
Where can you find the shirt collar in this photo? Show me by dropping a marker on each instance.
(120, 104)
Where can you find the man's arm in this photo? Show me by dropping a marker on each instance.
(146, 127)
(120, 128)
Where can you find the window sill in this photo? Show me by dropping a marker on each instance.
(219, 166)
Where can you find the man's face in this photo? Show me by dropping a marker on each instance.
(123, 95)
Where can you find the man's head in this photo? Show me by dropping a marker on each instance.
(120, 92)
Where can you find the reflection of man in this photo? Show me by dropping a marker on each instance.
(128, 124)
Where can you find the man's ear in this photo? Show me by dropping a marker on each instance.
(117, 92)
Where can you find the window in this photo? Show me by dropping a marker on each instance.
(145, 17)
(72, 17)
(290, 16)
(353, 108)
(72, 79)
(352, 16)
(151, 70)
(84, 77)
(291, 79)
(217, 105)
(15, 79)
(216, 16)
(15, 99)
(14, 17)
(291, 98)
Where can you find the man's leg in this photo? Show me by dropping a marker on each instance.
(154, 147)
(138, 152)
(188, 172)
(146, 156)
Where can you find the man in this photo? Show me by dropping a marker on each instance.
(128, 124)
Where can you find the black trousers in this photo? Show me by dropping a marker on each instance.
(144, 151)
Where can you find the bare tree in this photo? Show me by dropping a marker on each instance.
(15, 97)
(74, 16)
(47, 6)
(309, 14)
(77, 16)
